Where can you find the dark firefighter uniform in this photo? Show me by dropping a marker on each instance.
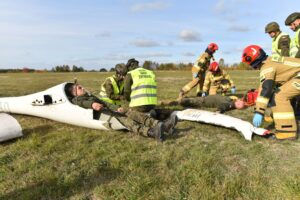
(198, 73)
(285, 75)
(217, 81)
(112, 90)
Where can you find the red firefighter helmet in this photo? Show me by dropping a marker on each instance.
(253, 55)
(214, 67)
(212, 47)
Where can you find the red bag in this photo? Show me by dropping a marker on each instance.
(250, 97)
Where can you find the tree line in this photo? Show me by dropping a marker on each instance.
(147, 65)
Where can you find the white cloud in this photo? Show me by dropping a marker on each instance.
(149, 6)
(237, 28)
(189, 36)
(189, 54)
(145, 43)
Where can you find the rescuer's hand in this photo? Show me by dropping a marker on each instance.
(257, 119)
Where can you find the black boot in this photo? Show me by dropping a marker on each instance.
(170, 123)
(157, 132)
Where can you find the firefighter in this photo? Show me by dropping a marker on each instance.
(198, 71)
(113, 87)
(217, 79)
(285, 76)
(293, 21)
(141, 94)
(280, 41)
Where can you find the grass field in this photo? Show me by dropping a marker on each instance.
(59, 161)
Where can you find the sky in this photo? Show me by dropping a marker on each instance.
(96, 34)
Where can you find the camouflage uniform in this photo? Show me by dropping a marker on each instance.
(220, 102)
(140, 125)
(109, 89)
(198, 73)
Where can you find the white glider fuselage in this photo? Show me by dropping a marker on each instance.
(52, 104)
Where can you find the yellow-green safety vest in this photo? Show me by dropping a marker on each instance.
(294, 44)
(276, 52)
(143, 88)
(117, 91)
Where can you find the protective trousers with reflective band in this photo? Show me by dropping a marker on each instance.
(294, 45)
(143, 89)
(283, 113)
(117, 90)
(276, 52)
(196, 81)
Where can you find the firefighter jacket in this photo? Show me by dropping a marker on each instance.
(274, 74)
(201, 64)
(216, 79)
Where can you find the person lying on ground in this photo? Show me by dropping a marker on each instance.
(222, 103)
(81, 97)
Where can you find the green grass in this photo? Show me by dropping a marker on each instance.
(59, 161)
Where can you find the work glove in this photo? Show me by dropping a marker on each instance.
(204, 94)
(257, 119)
(233, 90)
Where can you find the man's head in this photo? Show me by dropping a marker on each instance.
(211, 48)
(121, 71)
(272, 29)
(239, 104)
(254, 55)
(293, 21)
(74, 90)
(132, 64)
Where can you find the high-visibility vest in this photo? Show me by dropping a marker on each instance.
(294, 44)
(117, 91)
(276, 52)
(143, 88)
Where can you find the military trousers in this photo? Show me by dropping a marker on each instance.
(283, 113)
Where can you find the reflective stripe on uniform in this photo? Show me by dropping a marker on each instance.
(296, 85)
(262, 100)
(143, 86)
(284, 115)
(143, 95)
(266, 71)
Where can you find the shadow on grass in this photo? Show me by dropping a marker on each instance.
(179, 133)
(58, 188)
(42, 130)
